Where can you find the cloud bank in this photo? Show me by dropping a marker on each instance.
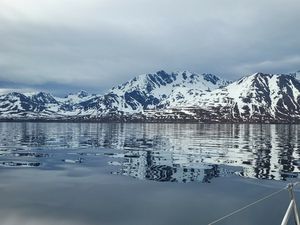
(64, 45)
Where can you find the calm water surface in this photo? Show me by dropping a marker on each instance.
(89, 173)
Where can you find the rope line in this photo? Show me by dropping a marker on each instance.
(247, 206)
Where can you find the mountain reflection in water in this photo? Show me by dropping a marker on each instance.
(160, 152)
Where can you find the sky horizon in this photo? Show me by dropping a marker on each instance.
(61, 92)
(63, 46)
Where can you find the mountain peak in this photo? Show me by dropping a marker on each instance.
(296, 74)
(82, 94)
(210, 77)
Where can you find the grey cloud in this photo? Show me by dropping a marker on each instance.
(97, 44)
(273, 66)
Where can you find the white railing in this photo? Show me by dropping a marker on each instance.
(292, 207)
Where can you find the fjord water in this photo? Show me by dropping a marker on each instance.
(113, 173)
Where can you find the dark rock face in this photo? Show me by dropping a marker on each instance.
(211, 78)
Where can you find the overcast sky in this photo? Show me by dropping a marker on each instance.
(68, 45)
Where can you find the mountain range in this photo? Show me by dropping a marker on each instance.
(169, 97)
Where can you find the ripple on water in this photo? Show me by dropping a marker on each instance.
(160, 152)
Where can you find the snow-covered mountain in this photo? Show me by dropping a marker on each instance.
(159, 90)
(257, 97)
(162, 96)
(30, 105)
(41, 105)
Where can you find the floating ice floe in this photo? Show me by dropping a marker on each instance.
(30, 154)
(115, 155)
(80, 160)
(114, 163)
(19, 164)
